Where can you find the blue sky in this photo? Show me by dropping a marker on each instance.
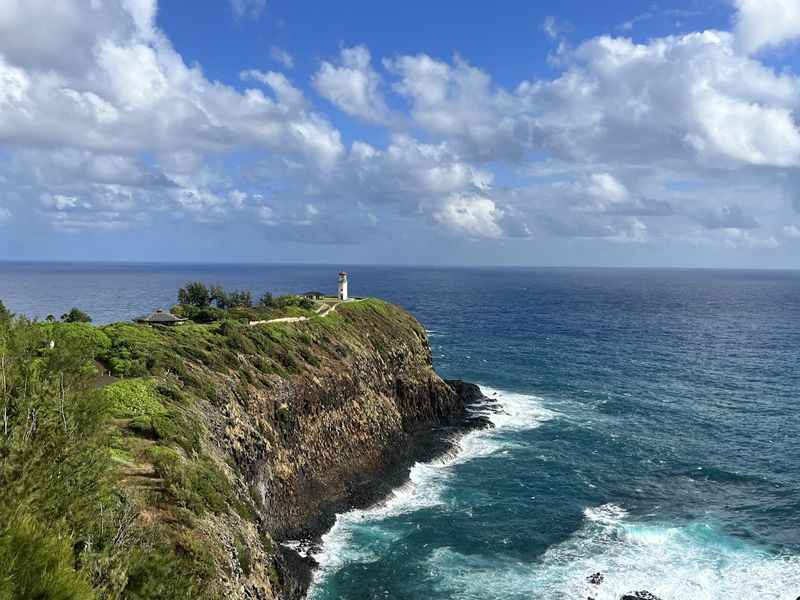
(524, 133)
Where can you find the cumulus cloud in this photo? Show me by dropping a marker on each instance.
(353, 85)
(766, 23)
(460, 102)
(688, 138)
(473, 215)
(134, 93)
(85, 123)
(690, 98)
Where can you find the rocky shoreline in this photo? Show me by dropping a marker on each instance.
(421, 443)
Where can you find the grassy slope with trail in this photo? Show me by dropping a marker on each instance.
(172, 477)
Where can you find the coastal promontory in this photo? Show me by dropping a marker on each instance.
(179, 461)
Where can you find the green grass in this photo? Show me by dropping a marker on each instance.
(130, 398)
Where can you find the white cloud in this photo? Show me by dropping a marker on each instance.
(728, 217)
(675, 98)
(282, 57)
(766, 23)
(252, 9)
(81, 122)
(473, 215)
(284, 91)
(554, 27)
(685, 137)
(740, 238)
(353, 85)
(460, 103)
(791, 231)
(689, 98)
(133, 92)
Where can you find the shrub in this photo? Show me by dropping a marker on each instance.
(161, 572)
(134, 350)
(243, 554)
(178, 428)
(196, 484)
(204, 314)
(71, 347)
(37, 561)
(131, 398)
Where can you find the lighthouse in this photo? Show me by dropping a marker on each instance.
(342, 286)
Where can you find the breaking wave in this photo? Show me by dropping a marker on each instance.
(507, 411)
(675, 562)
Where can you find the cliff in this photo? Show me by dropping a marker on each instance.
(225, 439)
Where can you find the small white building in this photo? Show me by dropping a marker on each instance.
(342, 286)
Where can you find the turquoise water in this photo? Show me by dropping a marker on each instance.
(649, 428)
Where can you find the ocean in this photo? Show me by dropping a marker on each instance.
(649, 427)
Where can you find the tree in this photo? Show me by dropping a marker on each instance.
(219, 296)
(266, 300)
(76, 315)
(195, 294)
(5, 315)
(240, 299)
(234, 299)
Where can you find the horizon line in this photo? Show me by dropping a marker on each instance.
(392, 265)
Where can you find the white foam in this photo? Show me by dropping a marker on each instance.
(609, 514)
(674, 562)
(517, 411)
(427, 481)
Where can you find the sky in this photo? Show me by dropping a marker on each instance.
(553, 133)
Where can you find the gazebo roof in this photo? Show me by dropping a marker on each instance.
(159, 316)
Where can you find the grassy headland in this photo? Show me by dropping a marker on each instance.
(152, 462)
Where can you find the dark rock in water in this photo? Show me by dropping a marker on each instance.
(642, 595)
(468, 392)
(595, 578)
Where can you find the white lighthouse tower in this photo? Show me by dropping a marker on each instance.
(342, 286)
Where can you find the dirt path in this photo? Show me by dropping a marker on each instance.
(323, 311)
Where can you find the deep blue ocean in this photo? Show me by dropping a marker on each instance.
(650, 428)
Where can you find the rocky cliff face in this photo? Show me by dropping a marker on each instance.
(302, 420)
(341, 432)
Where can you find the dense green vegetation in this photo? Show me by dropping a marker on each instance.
(105, 469)
(206, 304)
(70, 454)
